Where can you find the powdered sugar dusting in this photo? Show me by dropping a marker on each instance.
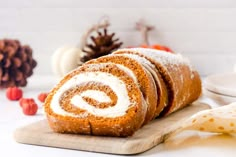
(163, 57)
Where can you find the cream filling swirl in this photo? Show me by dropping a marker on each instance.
(117, 85)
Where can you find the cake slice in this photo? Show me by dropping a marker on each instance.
(96, 99)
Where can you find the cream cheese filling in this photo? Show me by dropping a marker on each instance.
(117, 85)
(96, 95)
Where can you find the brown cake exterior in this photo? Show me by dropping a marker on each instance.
(79, 120)
(182, 82)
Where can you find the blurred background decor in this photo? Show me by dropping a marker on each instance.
(94, 43)
(204, 31)
(16, 63)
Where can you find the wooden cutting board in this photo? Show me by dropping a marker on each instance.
(144, 139)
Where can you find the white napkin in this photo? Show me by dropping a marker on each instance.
(217, 120)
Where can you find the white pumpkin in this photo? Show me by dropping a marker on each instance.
(65, 59)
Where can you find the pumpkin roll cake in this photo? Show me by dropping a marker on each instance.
(117, 94)
(96, 99)
(182, 82)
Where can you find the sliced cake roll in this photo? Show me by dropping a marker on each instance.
(140, 75)
(162, 95)
(96, 99)
(182, 81)
(117, 94)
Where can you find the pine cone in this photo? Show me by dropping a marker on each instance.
(16, 63)
(102, 45)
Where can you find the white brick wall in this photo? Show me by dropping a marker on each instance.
(205, 30)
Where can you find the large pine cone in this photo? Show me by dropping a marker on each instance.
(16, 63)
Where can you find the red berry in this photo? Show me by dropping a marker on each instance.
(42, 97)
(29, 107)
(23, 101)
(14, 93)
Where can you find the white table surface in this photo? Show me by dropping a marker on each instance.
(195, 144)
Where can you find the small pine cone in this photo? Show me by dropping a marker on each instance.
(102, 44)
(16, 63)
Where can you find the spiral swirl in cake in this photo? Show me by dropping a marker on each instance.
(104, 99)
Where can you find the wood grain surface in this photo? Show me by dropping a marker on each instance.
(144, 139)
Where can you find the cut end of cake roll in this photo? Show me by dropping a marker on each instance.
(96, 99)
